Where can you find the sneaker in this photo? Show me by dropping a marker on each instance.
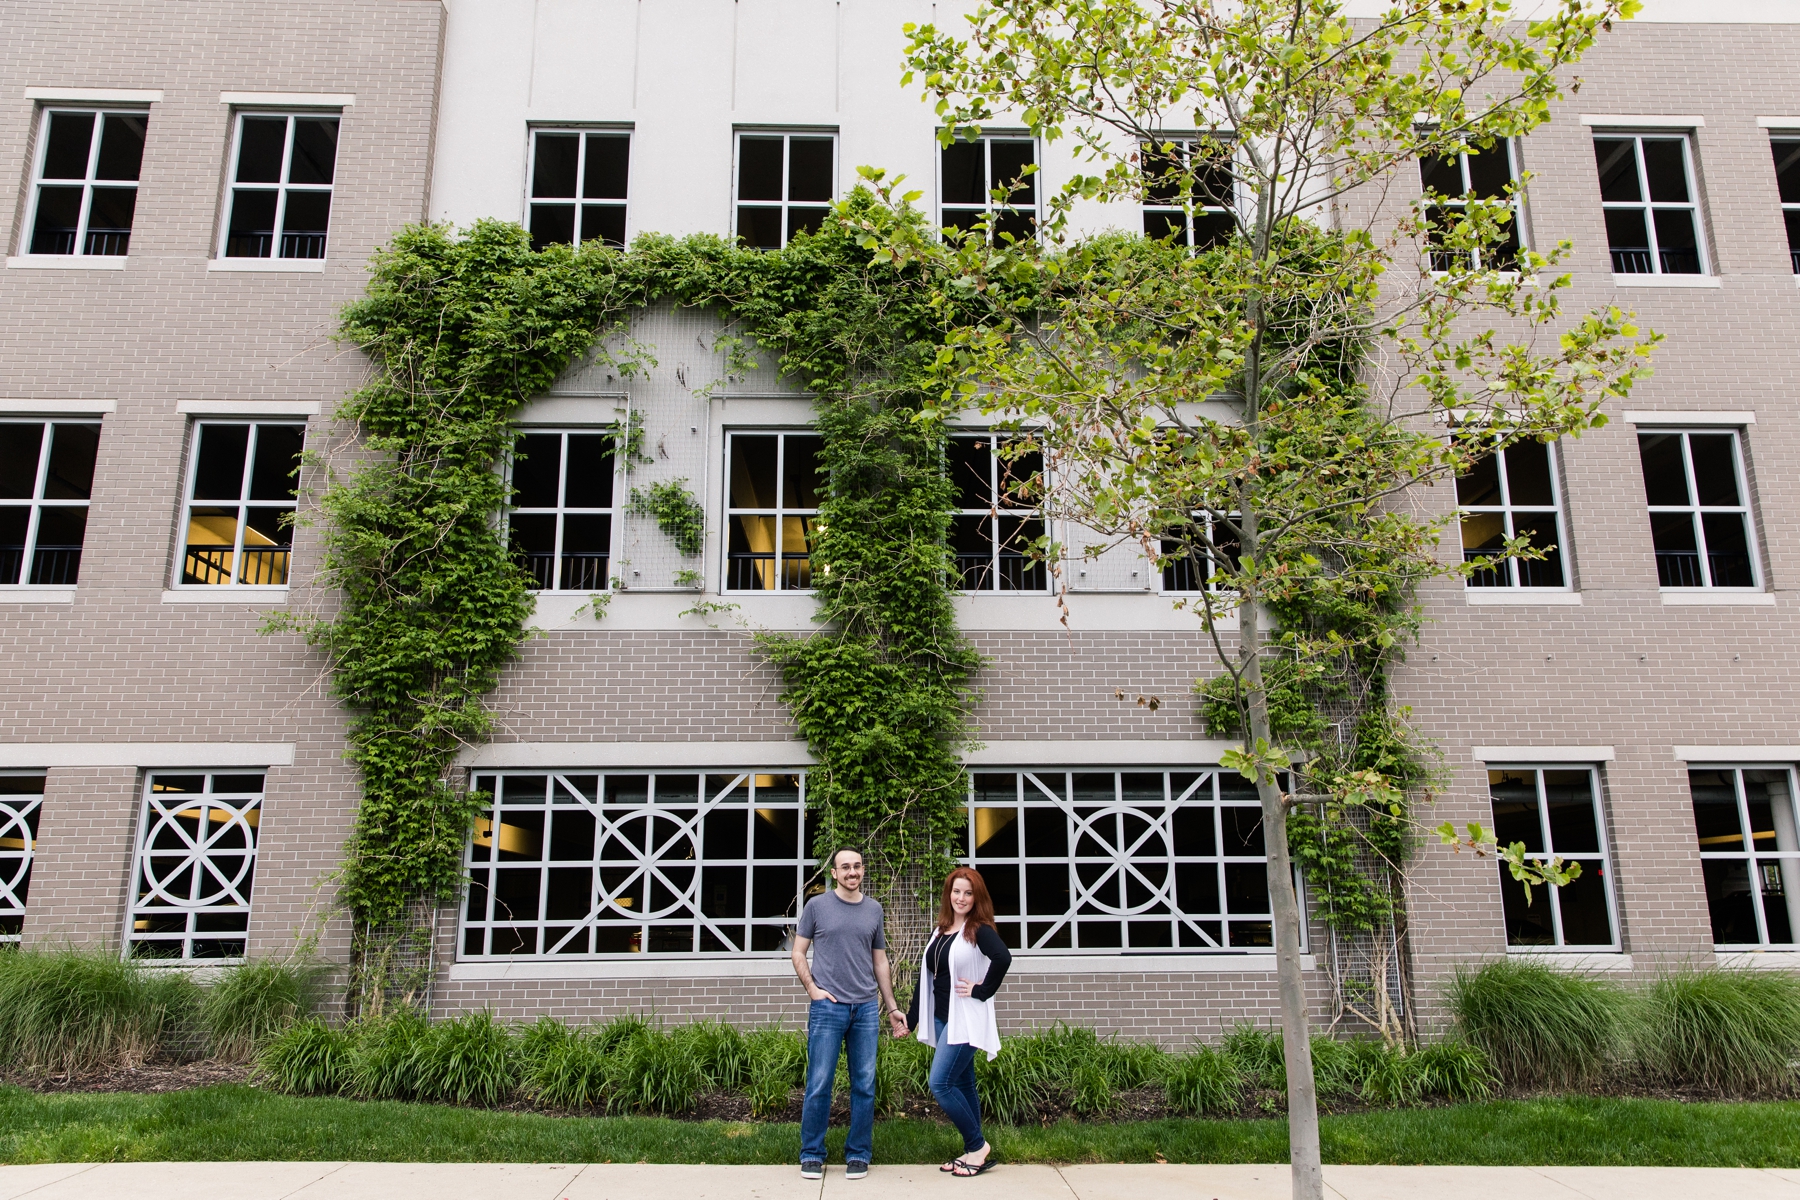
(855, 1170)
(812, 1170)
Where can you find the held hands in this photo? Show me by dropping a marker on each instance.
(897, 1022)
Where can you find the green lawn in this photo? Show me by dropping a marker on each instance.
(235, 1122)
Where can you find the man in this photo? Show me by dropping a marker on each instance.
(848, 976)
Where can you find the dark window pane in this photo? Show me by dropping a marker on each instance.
(109, 220)
(572, 835)
(809, 168)
(777, 832)
(1019, 226)
(753, 459)
(20, 445)
(1193, 829)
(1243, 830)
(1246, 888)
(533, 540)
(1527, 924)
(1162, 224)
(800, 466)
(1515, 800)
(1441, 173)
(1677, 553)
(722, 891)
(1716, 822)
(1629, 241)
(759, 168)
(1008, 159)
(1489, 172)
(964, 174)
(304, 225)
(1780, 880)
(1528, 474)
(1585, 920)
(516, 893)
(250, 233)
(72, 452)
(57, 559)
(1481, 483)
(1665, 476)
(1664, 170)
(570, 894)
(760, 228)
(1677, 244)
(66, 149)
(1792, 219)
(1046, 832)
(552, 224)
(1618, 169)
(1164, 178)
(996, 833)
(1212, 229)
(1214, 182)
(121, 147)
(603, 223)
(971, 462)
(260, 149)
(1570, 797)
(58, 215)
(1727, 550)
(553, 170)
(1197, 887)
(962, 220)
(607, 171)
(537, 462)
(1715, 470)
(585, 536)
(1542, 532)
(1003, 889)
(315, 150)
(751, 549)
(806, 220)
(277, 458)
(590, 474)
(219, 473)
(1787, 170)
(14, 521)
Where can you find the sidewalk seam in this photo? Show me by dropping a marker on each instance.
(309, 1183)
(60, 1179)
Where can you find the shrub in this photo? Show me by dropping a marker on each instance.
(76, 1010)
(1203, 1082)
(254, 1000)
(568, 1072)
(384, 1058)
(654, 1073)
(1455, 1070)
(465, 1060)
(718, 1050)
(541, 1039)
(776, 1066)
(1257, 1054)
(1738, 1031)
(308, 1058)
(1009, 1085)
(1541, 1027)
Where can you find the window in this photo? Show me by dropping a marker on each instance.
(1787, 180)
(1512, 493)
(1120, 860)
(561, 521)
(1699, 515)
(785, 183)
(997, 531)
(1189, 563)
(86, 181)
(1196, 212)
(241, 504)
(1484, 174)
(21, 796)
(574, 170)
(603, 864)
(281, 176)
(196, 860)
(1555, 812)
(773, 510)
(972, 170)
(46, 479)
(1752, 882)
(1652, 220)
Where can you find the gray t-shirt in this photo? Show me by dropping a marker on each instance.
(844, 937)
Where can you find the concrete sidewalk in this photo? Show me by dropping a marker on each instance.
(627, 1181)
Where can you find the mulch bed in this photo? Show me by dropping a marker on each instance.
(157, 1075)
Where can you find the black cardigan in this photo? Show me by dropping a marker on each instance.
(987, 939)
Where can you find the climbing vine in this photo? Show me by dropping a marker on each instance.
(676, 511)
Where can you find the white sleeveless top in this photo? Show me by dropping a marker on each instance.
(971, 1021)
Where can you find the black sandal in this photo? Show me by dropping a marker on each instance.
(971, 1170)
(951, 1165)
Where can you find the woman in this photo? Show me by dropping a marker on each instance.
(965, 960)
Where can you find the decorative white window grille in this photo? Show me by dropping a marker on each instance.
(1699, 504)
(196, 861)
(282, 172)
(1194, 212)
(1513, 493)
(21, 798)
(1555, 812)
(1749, 853)
(998, 528)
(1106, 861)
(597, 864)
(579, 183)
(560, 526)
(772, 510)
(785, 184)
(1652, 207)
(242, 488)
(46, 480)
(1787, 181)
(1484, 174)
(970, 173)
(85, 181)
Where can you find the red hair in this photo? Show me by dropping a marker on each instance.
(981, 914)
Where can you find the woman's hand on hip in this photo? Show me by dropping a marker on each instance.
(965, 987)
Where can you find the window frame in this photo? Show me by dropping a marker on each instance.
(37, 182)
(562, 510)
(1506, 508)
(779, 514)
(1696, 511)
(1790, 210)
(243, 503)
(245, 816)
(20, 812)
(278, 232)
(578, 201)
(1189, 143)
(997, 556)
(1648, 207)
(38, 502)
(1195, 553)
(1586, 858)
(1459, 203)
(1751, 856)
(1034, 212)
(787, 134)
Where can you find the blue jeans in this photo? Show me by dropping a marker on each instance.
(830, 1027)
(953, 1086)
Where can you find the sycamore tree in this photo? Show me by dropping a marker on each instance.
(1265, 388)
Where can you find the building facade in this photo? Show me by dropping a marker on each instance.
(196, 199)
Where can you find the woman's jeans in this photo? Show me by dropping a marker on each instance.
(830, 1027)
(953, 1086)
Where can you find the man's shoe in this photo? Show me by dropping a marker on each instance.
(812, 1170)
(855, 1170)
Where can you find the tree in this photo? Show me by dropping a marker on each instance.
(1267, 406)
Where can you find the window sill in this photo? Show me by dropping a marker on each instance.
(778, 966)
(66, 262)
(1575, 960)
(1757, 960)
(1482, 596)
(225, 595)
(32, 595)
(1701, 597)
(1668, 281)
(304, 266)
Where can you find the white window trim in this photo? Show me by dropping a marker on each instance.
(57, 408)
(1785, 207)
(1501, 757)
(1753, 857)
(301, 266)
(1711, 594)
(1637, 122)
(249, 409)
(179, 592)
(142, 835)
(1518, 201)
(23, 592)
(37, 183)
(779, 513)
(66, 262)
(1677, 417)
(289, 99)
(274, 262)
(60, 95)
(616, 511)
(1035, 210)
(577, 201)
(215, 755)
(995, 468)
(1514, 597)
(1506, 510)
(1740, 756)
(27, 849)
(786, 133)
(1189, 143)
(1648, 207)
(1604, 854)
